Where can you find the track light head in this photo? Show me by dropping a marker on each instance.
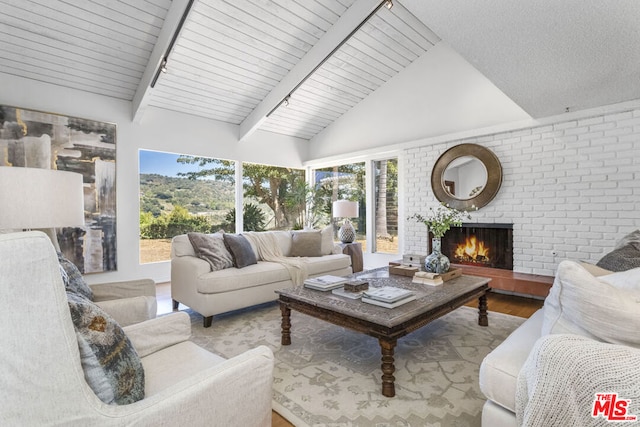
(285, 101)
(163, 65)
(389, 4)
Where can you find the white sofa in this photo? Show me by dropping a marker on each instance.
(43, 382)
(208, 292)
(585, 302)
(499, 372)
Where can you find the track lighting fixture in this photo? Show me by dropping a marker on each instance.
(383, 3)
(163, 65)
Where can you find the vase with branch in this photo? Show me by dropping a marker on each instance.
(438, 222)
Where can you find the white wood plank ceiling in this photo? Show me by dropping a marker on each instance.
(384, 46)
(100, 46)
(230, 61)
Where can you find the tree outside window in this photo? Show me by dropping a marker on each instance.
(386, 198)
(271, 193)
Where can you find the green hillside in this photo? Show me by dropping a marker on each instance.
(158, 194)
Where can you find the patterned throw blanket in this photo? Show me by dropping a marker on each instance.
(269, 250)
(570, 380)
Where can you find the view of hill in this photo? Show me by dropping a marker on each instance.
(160, 193)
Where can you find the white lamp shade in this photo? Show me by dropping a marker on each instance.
(40, 198)
(345, 209)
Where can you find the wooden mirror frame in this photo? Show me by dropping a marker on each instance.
(494, 176)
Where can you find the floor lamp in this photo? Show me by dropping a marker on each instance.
(42, 199)
(346, 209)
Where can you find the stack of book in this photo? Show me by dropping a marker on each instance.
(388, 296)
(347, 294)
(431, 279)
(325, 283)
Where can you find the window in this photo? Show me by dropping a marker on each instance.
(386, 210)
(179, 194)
(341, 182)
(274, 197)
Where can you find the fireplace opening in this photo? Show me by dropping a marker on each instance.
(482, 245)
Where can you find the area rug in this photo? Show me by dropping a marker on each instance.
(330, 376)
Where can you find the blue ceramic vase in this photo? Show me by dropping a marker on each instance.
(435, 262)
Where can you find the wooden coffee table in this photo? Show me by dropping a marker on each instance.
(387, 325)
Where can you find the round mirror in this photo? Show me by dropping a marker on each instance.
(466, 177)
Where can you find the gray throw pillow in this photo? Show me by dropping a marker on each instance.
(72, 278)
(111, 365)
(211, 248)
(632, 238)
(306, 244)
(240, 249)
(621, 259)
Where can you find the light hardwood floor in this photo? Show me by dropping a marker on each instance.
(501, 303)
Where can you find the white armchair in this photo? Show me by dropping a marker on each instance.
(128, 302)
(43, 382)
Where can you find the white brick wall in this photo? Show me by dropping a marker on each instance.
(572, 188)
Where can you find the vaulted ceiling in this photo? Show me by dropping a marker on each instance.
(237, 61)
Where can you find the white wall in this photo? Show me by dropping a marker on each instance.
(570, 186)
(160, 130)
(439, 93)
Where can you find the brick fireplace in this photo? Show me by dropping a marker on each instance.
(480, 245)
(486, 249)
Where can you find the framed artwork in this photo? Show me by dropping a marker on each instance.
(37, 139)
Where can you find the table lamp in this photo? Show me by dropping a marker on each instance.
(346, 209)
(44, 199)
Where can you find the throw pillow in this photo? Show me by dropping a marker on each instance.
(306, 244)
(327, 240)
(72, 278)
(631, 238)
(111, 364)
(594, 269)
(211, 248)
(240, 249)
(622, 258)
(579, 303)
(629, 279)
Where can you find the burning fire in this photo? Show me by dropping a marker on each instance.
(472, 250)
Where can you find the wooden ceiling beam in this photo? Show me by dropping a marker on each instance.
(166, 37)
(330, 41)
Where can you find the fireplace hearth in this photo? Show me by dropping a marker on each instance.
(480, 244)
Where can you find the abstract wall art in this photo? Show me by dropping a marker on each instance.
(36, 139)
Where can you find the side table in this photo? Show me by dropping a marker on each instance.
(354, 250)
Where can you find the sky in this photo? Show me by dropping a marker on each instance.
(163, 163)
